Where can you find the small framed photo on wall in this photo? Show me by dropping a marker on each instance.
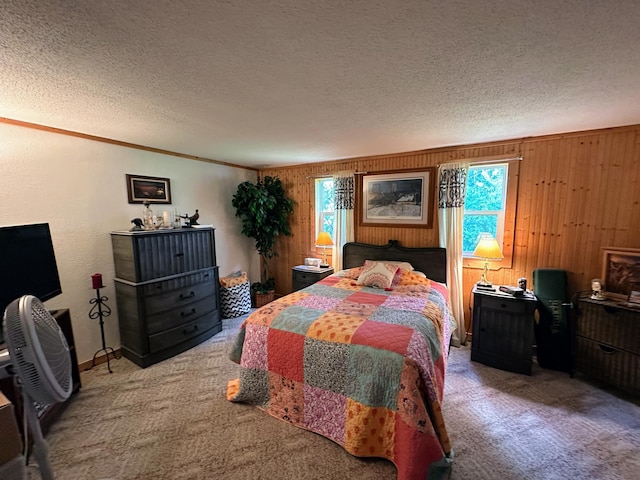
(141, 188)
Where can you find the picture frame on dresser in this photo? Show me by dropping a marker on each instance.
(620, 270)
(633, 300)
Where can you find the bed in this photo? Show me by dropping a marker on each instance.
(359, 364)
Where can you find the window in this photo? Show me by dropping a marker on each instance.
(324, 206)
(484, 204)
(490, 206)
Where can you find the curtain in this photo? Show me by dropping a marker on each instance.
(344, 199)
(452, 186)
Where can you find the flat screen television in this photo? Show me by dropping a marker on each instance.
(27, 265)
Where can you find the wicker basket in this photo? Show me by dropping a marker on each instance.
(261, 299)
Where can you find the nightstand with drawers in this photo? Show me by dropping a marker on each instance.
(303, 276)
(503, 330)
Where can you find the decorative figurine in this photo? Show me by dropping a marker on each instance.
(193, 220)
(596, 289)
(137, 225)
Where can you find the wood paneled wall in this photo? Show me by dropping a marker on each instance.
(577, 192)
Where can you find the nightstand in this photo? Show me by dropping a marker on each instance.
(503, 330)
(303, 276)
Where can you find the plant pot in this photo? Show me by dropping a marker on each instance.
(261, 299)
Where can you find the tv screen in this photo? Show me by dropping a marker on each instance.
(27, 265)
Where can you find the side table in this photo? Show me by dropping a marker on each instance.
(303, 276)
(503, 330)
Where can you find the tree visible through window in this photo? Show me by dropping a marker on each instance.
(324, 206)
(485, 204)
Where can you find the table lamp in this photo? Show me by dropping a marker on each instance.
(488, 249)
(324, 241)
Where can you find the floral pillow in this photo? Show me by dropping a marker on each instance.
(377, 274)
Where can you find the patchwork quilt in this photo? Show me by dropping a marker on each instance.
(361, 366)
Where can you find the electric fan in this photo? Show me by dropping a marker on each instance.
(40, 357)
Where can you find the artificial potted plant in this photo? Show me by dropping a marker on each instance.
(264, 210)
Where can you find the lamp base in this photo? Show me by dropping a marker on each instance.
(324, 265)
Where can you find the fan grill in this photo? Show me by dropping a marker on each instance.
(38, 350)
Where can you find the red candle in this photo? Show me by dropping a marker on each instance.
(96, 280)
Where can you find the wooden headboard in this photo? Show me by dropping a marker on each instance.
(430, 260)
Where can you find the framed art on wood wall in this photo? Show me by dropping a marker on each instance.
(151, 189)
(620, 271)
(396, 199)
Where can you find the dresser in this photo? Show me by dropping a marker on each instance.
(607, 343)
(166, 291)
(303, 276)
(503, 330)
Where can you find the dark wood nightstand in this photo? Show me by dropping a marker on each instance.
(503, 330)
(303, 276)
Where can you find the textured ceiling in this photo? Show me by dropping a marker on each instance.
(282, 82)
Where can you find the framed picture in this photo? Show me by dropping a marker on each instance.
(151, 189)
(396, 199)
(634, 295)
(620, 270)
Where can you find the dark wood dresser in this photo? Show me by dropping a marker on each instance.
(503, 330)
(607, 343)
(167, 291)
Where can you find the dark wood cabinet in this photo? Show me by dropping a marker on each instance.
(302, 276)
(607, 343)
(503, 330)
(167, 291)
(47, 414)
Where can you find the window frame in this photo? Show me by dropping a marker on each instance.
(509, 218)
(319, 215)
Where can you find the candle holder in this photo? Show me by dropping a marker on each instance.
(101, 310)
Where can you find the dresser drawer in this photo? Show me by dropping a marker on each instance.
(150, 255)
(174, 336)
(609, 325)
(304, 278)
(506, 305)
(180, 315)
(179, 292)
(609, 365)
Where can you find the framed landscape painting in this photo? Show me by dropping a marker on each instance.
(396, 198)
(152, 189)
(620, 271)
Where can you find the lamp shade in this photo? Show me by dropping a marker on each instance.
(488, 248)
(324, 240)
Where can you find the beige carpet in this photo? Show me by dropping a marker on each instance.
(171, 421)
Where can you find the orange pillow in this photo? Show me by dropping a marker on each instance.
(377, 274)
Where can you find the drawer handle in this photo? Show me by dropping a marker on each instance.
(184, 297)
(187, 331)
(607, 350)
(609, 309)
(179, 254)
(188, 314)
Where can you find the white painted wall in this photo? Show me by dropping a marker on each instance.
(78, 186)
